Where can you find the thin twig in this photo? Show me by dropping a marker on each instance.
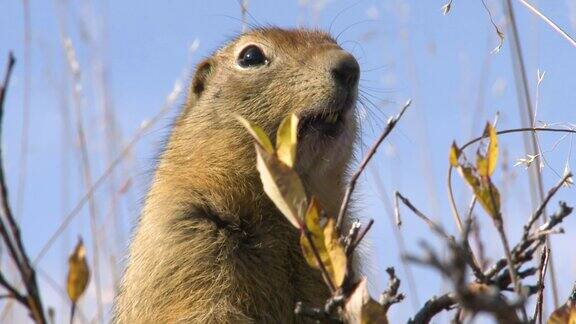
(521, 253)
(352, 184)
(540, 285)
(398, 235)
(27, 93)
(391, 296)
(6, 210)
(315, 313)
(544, 203)
(13, 239)
(361, 235)
(13, 293)
(498, 31)
(530, 140)
(433, 226)
(316, 254)
(547, 20)
(74, 69)
(511, 266)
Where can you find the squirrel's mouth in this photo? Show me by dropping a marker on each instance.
(328, 121)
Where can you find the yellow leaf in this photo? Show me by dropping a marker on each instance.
(566, 314)
(282, 185)
(489, 198)
(446, 8)
(454, 154)
(324, 237)
(361, 309)
(335, 251)
(258, 133)
(484, 190)
(486, 164)
(78, 272)
(482, 165)
(286, 138)
(314, 227)
(492, 153)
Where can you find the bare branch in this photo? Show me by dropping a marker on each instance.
(540, 285)
(433, 226)
(359, 237)
(542, 206)
(391, 296)
(352, 184)
(498, 277)
(315, 313)
(12, 237)
(548, 21)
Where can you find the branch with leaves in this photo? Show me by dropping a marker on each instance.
(323, 244)
(325, 249)
(484, 292)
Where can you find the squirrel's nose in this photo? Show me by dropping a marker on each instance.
(344, 69)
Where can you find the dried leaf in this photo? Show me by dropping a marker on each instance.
(569, 180)
(286, 138)
(78, 272)
(258, 133)
(526, 161)
(566, 314)
(500, 41)
(361, 309)
(446, 8)
(468, 175)
(282, 185)
(325, 240)
(454, 154)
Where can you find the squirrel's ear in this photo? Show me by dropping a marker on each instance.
(203, 71)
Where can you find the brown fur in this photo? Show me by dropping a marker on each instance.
(210, 247)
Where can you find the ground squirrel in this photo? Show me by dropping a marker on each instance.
(210, 247)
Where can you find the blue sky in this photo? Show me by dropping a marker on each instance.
(406, 49)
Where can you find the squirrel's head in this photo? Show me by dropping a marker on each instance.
(265, 74)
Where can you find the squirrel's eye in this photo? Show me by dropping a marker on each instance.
(251, 56)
